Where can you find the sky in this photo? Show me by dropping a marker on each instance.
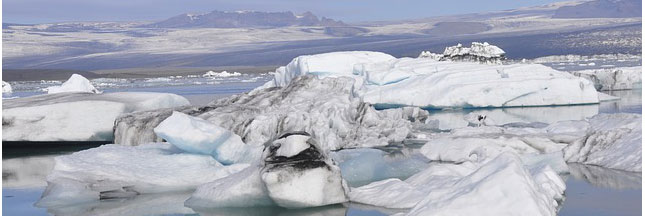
(47, 11)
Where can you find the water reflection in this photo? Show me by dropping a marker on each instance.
(606, 178)
(449, 119)
(599, 191)
(145, 204)
(26, 172)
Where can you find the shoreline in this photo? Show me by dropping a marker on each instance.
(12, 75)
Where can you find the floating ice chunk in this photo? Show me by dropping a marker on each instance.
(307, 179)
(468, 186)
(199, 136)
(76, 116)
(613, 141)
(6, 87)
(476, 49)
(622, 78)
(326, 64)
(221, 74)
(114, 171)
(242, 189)
(499, 187)
(75, 83)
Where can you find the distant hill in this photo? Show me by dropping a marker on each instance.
(602, 9)
(237, 19)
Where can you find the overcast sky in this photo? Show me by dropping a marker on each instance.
(43, 11)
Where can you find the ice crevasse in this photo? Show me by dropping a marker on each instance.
(426, 82)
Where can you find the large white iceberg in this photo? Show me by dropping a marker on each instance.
(114, 171)
(612, 141)
(426, 82)
(76, 116)
(75, 83)
(622, 78)
(335, 117)
(199, 136)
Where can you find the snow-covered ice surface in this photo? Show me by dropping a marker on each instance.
(75, 116)
(76, 83)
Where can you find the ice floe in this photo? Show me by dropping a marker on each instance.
(221, 74)
(75, 116)
(622, 78)
(75, 83)
(199, 136)
(116, 171)
(6, 87)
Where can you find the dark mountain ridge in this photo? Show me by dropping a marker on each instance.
(238, 19)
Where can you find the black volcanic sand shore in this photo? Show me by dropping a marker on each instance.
(62, 74)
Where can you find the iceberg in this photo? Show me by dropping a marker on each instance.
(116, 171)
(425, 82)
(621, 78)
(221, 74)
(443, 84)
(294, 173)
(612, 141)
(6, 87)
(335, 118)
(76, 116)
(195, 135)
(469, 187)
(75, 83)
(297, 173)
(498, 187)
